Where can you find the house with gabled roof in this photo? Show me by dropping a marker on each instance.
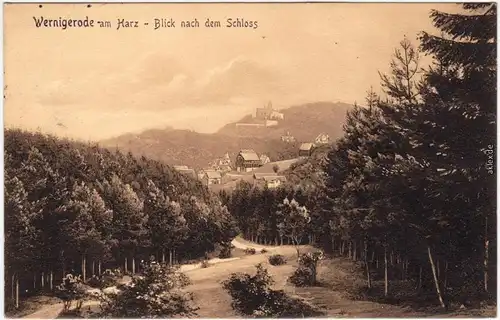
(211, 177)
(247, 160)
(322, 138)
(264, 159)
(305, 149)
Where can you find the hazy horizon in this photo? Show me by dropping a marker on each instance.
(94, 84)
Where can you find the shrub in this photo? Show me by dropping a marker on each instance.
(277, 260)
(252, 296)
(71, 289)
(225, 252)
(264, 250)
(103, 281)
(305, 274)
(205, 264)
(250, 251)
(156, 294)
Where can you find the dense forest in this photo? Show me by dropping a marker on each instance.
(74, 207)
(409, 189)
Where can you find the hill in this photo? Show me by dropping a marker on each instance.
(197, 150)
(304, 122)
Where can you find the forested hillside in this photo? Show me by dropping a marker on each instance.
(183, 147)
(409, 189)
(74, 206)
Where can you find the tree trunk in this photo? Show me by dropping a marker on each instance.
(93, 267)
(17, 292)
(438, 269)
(13, 287)
(126, 265)
(84, 268)
(281, 240)
(436, 282)
(133, 265)
(486, 255)
(163, 256)
(386, 290)
(51, 280)
(170, 256)
(99, 267)
(42, 283)
(445, 283)
(373, 256)
(175, 257)
(368, 278)
(354, 253)
(420, 278)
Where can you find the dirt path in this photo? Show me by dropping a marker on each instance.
(53, 310)
(214, 302)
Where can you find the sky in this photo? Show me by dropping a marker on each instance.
(97, 83)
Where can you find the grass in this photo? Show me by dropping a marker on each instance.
(30, 305)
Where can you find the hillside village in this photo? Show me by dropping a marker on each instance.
(250, 166)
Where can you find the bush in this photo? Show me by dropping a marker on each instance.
(103, 281)
(225, 252)
(252, 296)
(277, 260)
(264, 250)
(205, 264)
(71, 289)
(305, 274)
(156, 294)
(250, 251)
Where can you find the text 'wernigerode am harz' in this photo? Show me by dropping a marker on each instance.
(155, 23)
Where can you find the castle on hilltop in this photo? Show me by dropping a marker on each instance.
(264, 117)
(268, 113)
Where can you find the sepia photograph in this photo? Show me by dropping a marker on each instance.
(250, 160)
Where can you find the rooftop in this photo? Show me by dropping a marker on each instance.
(306, 146)
(249, 155)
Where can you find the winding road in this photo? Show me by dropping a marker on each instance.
(52, 311)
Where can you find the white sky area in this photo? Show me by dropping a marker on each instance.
(98, 83)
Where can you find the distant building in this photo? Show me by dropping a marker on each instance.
(186, 171)
(322, 138)
(268, 113)
(264, 159)
(275, 115)
(226, 160)
(212, 177)
(251, 125)
(288, 138)
(271, 123)
(223, 168)
(247, 160)
(269, 180)
(305, 149)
